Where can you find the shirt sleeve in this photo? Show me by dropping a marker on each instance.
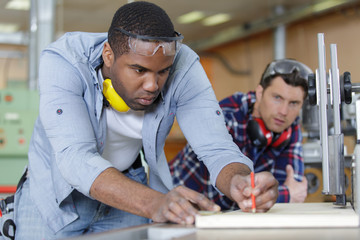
(65, 117)
(202, 122)
(284, 195)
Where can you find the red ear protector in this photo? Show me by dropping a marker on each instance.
(260, 136)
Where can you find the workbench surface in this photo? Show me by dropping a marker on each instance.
(305, 227)
(173, 231)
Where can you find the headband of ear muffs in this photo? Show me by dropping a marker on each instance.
(260, 136)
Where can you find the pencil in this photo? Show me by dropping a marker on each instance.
(253, 207)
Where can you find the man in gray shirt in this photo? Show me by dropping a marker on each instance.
(126, 87)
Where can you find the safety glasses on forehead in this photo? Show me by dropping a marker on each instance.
(148, 45)
(287, 66)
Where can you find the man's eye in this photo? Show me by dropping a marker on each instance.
(165, 71)
(140, 70)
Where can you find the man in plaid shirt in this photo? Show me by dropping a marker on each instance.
(265, 124)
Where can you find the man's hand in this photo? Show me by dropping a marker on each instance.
(234, 181)
(265, 191)
(298, 190)
(180, 205)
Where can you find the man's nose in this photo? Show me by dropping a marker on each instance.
(284, 108)
(151, 83)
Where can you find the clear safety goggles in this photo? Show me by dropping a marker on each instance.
(287, 66)
(148, 45)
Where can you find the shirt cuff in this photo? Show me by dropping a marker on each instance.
(221, 163)
(284, 194)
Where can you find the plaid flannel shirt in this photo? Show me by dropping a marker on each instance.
(187, 170)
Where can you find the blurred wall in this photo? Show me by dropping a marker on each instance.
(253, 53)
(13, 66)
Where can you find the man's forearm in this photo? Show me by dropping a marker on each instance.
(115, 189)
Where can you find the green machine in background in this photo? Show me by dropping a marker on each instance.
(18, 112)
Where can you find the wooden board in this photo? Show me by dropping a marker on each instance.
(284, 215)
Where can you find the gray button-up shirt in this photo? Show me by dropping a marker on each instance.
(69, 134)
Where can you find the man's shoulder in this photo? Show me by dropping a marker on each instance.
(79, 45)
(237, 99)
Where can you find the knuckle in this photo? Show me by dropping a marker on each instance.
(182, 201)
(171, 205)
(200, 197)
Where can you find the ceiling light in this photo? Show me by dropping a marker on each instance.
(216, 19)
(326, 5)
(18, 5)
(8, 28)
(191, 17)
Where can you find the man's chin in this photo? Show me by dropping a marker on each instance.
(277, 129)
(138, 107)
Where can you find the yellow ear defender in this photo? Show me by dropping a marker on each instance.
(113, 98)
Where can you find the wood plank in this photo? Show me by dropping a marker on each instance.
(284, 215)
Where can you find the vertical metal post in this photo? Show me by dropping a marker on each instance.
(336, 141)
(46, 23)
(33, 60)
(42, 18)
(279, 36)
(323, 113)
(335, 88)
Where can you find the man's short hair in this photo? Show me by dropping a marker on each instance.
(142, 18)
(293, 72)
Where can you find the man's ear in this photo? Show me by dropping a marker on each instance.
(258, 92)
(108, 55)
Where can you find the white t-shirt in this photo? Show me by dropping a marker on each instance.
(123, 136)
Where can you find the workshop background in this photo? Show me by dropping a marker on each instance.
(234, 38)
